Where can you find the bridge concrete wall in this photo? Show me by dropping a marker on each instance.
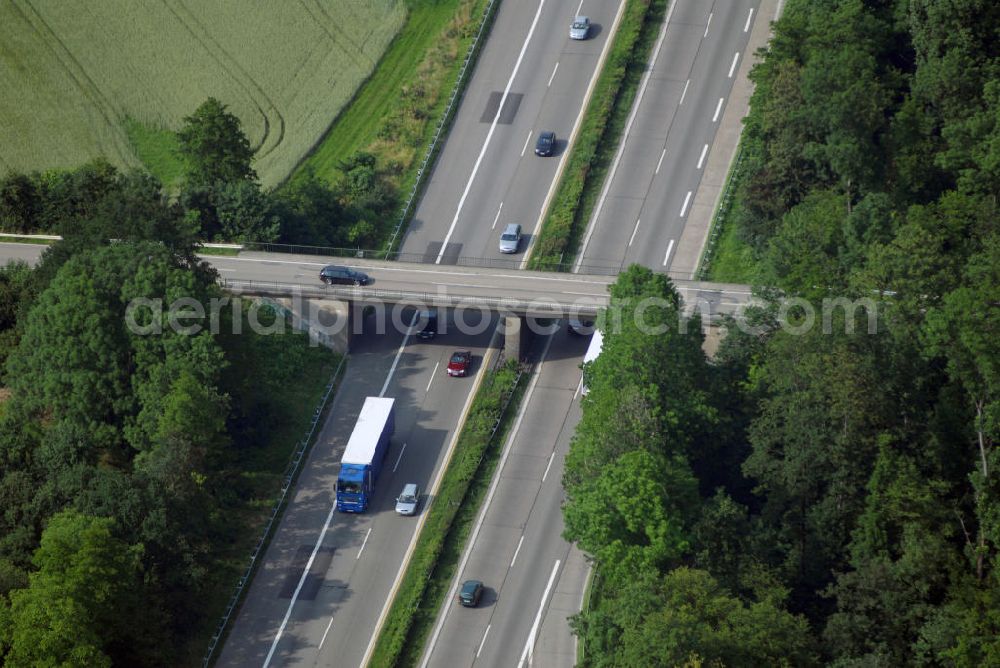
(327, 321)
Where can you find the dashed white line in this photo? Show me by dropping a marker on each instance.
(701, 159)
(323, 639)
(546, 474)
(580, 8)
(706, 26)
(400, 458)
(660, 161)
(517, 551)
(433, 376)
(523, 149)
(556, 69)
(666, 257)
(718, 108)
(634, 230)
(621, 145)
(298, 588)
(501, 205)
(364, 542)
(732, 68)
(686, 84)
(684, 207)
(746, 28)
(478, 651)
(489, 135)
(529, 646)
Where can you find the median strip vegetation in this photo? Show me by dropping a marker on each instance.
(450, 518)
(599, 135)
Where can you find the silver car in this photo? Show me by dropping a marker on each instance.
(580, 28)
(510, 239)
(406, 502)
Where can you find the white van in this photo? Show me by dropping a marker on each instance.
(408, 499)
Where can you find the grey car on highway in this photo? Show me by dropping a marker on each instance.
(580, 28)
(510, 240)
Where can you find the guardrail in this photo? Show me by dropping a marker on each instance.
(533, 307)
(444, 122)
(287, 479)
(725, 202)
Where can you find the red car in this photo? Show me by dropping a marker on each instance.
(459, 363)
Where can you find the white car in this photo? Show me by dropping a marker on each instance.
(580, 28)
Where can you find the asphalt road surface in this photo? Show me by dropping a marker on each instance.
(534, 579)
(487, 174)
(355, 557)
(640, 215)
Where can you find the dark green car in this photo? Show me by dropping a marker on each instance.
(472, 591)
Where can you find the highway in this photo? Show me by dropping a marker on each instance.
(642, 212)
(356, 557)
(534, 579)
(487, 174)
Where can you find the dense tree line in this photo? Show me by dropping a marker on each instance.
(822, 497)
(121, 451)
(220, 199)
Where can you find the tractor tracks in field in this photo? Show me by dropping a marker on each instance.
(273, 121)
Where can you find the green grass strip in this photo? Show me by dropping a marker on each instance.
(599, 135)
(449, 520)
(158, 149)
(361, 123)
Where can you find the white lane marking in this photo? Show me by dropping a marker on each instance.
(732, 68)
(459, 285)
(400, 458)
(660, 162)
(746, 28)
(529, 646)
(479, 651)
(587, 294)
(701, 160)
(556, 69)
(634, 230)
(501, 203)
(666, 257)
(399, 353)
(580, 8)
(592, 225)
(517, 551)
(579, 386)
(436, 272)
(718, 108)
(220, 269)
(471, 541)
(684, 92)
(329, 518)
(524, 148)
(551, 458)
(489, 135)
(323, 639)
(363, 543)
(684, 207)
(298, 588)
(707, 24)
(433, 375)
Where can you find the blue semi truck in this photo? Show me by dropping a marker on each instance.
(363, 456)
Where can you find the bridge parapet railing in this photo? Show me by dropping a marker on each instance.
(521, 306)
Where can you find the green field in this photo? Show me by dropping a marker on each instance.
(107, 77)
